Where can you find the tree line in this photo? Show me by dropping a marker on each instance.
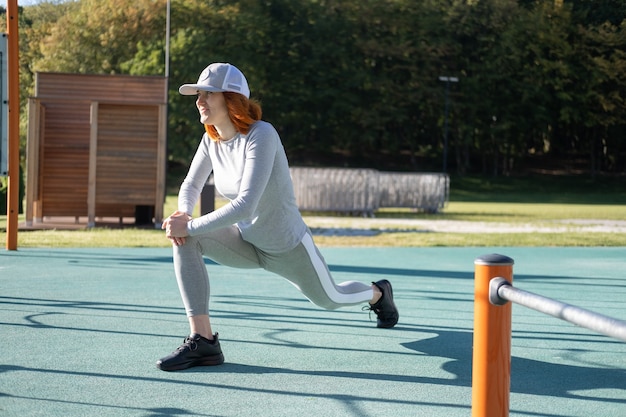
(359, 82)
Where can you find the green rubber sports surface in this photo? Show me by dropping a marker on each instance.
(81, 330)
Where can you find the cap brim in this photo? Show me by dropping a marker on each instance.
(192, 89)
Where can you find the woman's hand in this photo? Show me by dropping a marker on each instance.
(175, 227)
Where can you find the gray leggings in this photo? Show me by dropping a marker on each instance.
(303, 266)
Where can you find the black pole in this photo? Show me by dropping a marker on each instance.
(445, 129)
(446, 80)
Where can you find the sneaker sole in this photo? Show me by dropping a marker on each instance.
(208, 361)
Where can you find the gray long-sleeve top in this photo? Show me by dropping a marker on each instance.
(253, 173)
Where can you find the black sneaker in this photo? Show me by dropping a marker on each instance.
(195, 351)
(385, 308)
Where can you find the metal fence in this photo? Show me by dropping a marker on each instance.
(425, 191)
(363, 191)
(336, 189)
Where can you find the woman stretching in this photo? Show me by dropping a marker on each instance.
(260, 227)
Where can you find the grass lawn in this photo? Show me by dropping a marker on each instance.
(536, 203)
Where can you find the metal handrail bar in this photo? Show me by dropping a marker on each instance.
(501, 291)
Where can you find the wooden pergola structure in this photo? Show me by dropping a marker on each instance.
(96, 147)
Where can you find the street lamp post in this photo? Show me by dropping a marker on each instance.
(446, 80)
(168, 11)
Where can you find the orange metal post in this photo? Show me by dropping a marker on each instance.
(14, 123)
(491, 367)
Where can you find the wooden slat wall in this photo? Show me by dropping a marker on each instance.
(127, 154)
(64, 158)
(102, 88)
(130, 126)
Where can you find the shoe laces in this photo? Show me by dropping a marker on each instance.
(380, 312)
(189, 343)
(369, 308)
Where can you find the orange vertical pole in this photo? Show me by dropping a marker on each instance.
(491, 366)
(13, 194)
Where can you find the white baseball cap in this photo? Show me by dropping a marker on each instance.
(218, 78)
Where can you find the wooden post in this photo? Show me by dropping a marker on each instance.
(13, 192)
(491, 366)
(93, 165)
(32, 160)
(161, 165)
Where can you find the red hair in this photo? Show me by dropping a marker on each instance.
(242, 111)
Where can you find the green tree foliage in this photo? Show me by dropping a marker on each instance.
(95, 36)
(356, 82)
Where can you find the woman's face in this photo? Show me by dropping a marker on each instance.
(212, 108)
